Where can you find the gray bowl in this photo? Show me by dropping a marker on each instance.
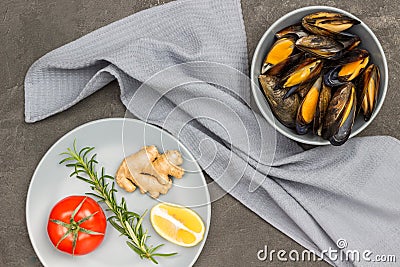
(369, 42)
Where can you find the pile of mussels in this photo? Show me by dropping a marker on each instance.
(316, 78)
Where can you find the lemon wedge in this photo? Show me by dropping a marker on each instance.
(179, 225)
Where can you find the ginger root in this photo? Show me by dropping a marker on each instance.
(149, 170)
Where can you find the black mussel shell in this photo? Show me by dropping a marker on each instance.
(370, 80)
(327, 23)
(320, 46)
(323, 103)
(296, 30)
(304, 119)
(315, 65)
(280, 69)
(344, 130)
(335, 110)
(285, 110)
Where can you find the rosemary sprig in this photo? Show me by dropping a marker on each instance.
(128, 223)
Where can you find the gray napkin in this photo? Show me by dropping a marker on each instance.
(180, 66)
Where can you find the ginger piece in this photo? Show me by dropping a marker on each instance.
(166, 164)
(149, 170)
(128, 177)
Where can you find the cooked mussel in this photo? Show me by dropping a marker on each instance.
(348, 40)
(323, 102)
(335, 110)
(280, 51)
(303, 72)
(347, 68)
(320, 46)
(347, 122)
(353, 64)
(340, 115)
(279, 70)
(369, 83)
(307, 108)
(327, 23)
(331, 77)
(294, 30)
(301, 89)
(285, 110)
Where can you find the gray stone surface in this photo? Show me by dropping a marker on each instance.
(29, 29)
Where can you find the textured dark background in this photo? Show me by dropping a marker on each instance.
(29, 29)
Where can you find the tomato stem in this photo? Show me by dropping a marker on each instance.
(73, 227)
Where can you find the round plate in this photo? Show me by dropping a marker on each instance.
(113, 139)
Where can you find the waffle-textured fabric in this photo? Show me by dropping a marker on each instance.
(183, 66)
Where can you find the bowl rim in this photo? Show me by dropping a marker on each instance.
(255, 84)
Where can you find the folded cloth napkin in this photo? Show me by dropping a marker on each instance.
(180, 66)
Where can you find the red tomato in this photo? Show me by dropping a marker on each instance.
(78, 218)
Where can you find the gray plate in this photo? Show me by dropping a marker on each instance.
(111, 138)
